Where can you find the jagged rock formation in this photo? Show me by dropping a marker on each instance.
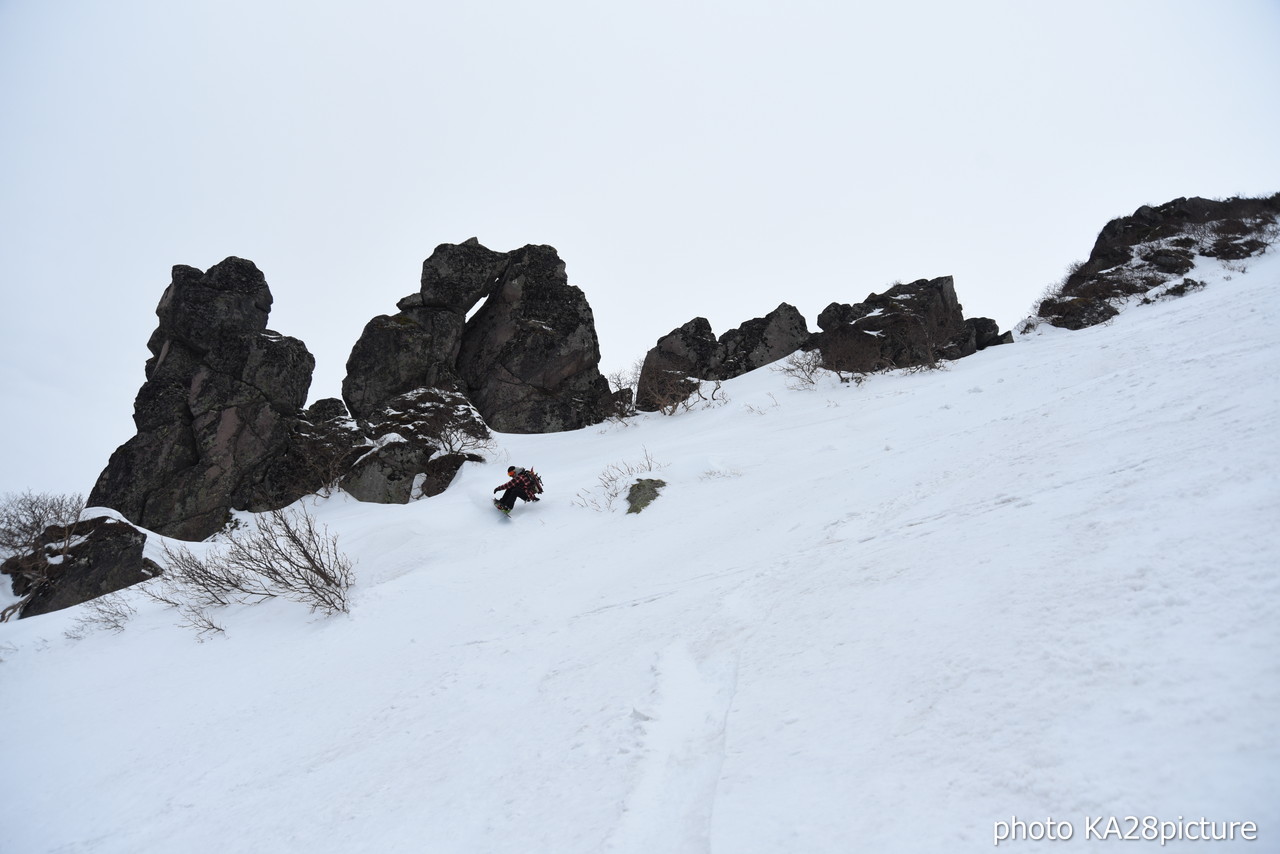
(1156, 245)
(528, 359)
(693, 351)
(91, 559)
(908, 325)
(418, 347)
(220, 403)
(219, 418)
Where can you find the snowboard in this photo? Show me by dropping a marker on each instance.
(504, 511)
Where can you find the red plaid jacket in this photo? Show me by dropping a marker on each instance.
(524, 483)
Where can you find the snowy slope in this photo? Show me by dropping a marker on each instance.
(1042, 583)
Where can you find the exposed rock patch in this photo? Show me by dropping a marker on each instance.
(1153, 247)
(643, 493)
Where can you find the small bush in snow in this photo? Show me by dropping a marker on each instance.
(671, 392)
(108, 613)
(625, 385)
(284, 554)
(615, 480)
(762, 410)
(802, 368)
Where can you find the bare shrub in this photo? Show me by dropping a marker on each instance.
(297, 559)
(111, 613)
(801, 369)
(31, 525)
(709, 394)
(205, 582)
(667, 391)
(934, 364)
(433, 417)
(613, 481)
(1186, 286)
(757, 410)
(625, 384)
(200, 622)
(451, 423)
(25, 517)
(841, 353)
(1051, 291)
(285, 554)
(465, 438)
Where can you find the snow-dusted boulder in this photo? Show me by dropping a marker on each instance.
(94, 557)
(908, 325)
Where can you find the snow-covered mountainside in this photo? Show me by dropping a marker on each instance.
(1041, 584)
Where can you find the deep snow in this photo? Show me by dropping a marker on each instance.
(1042, 583)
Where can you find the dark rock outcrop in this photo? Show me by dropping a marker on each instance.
(908, 325)
(528, 359)
(673, 367)
(1154, 246)
(96, 557)
(693, 351)
(221, 401)
(418, 347)
(985, 332)
(760, 342)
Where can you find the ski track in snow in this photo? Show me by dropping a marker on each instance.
(680, 729)
(1043, 582)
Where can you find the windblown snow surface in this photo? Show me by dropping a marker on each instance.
(1041, 584)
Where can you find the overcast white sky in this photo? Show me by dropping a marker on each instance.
(686, 158)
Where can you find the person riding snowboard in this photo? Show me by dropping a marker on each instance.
(524, 483)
